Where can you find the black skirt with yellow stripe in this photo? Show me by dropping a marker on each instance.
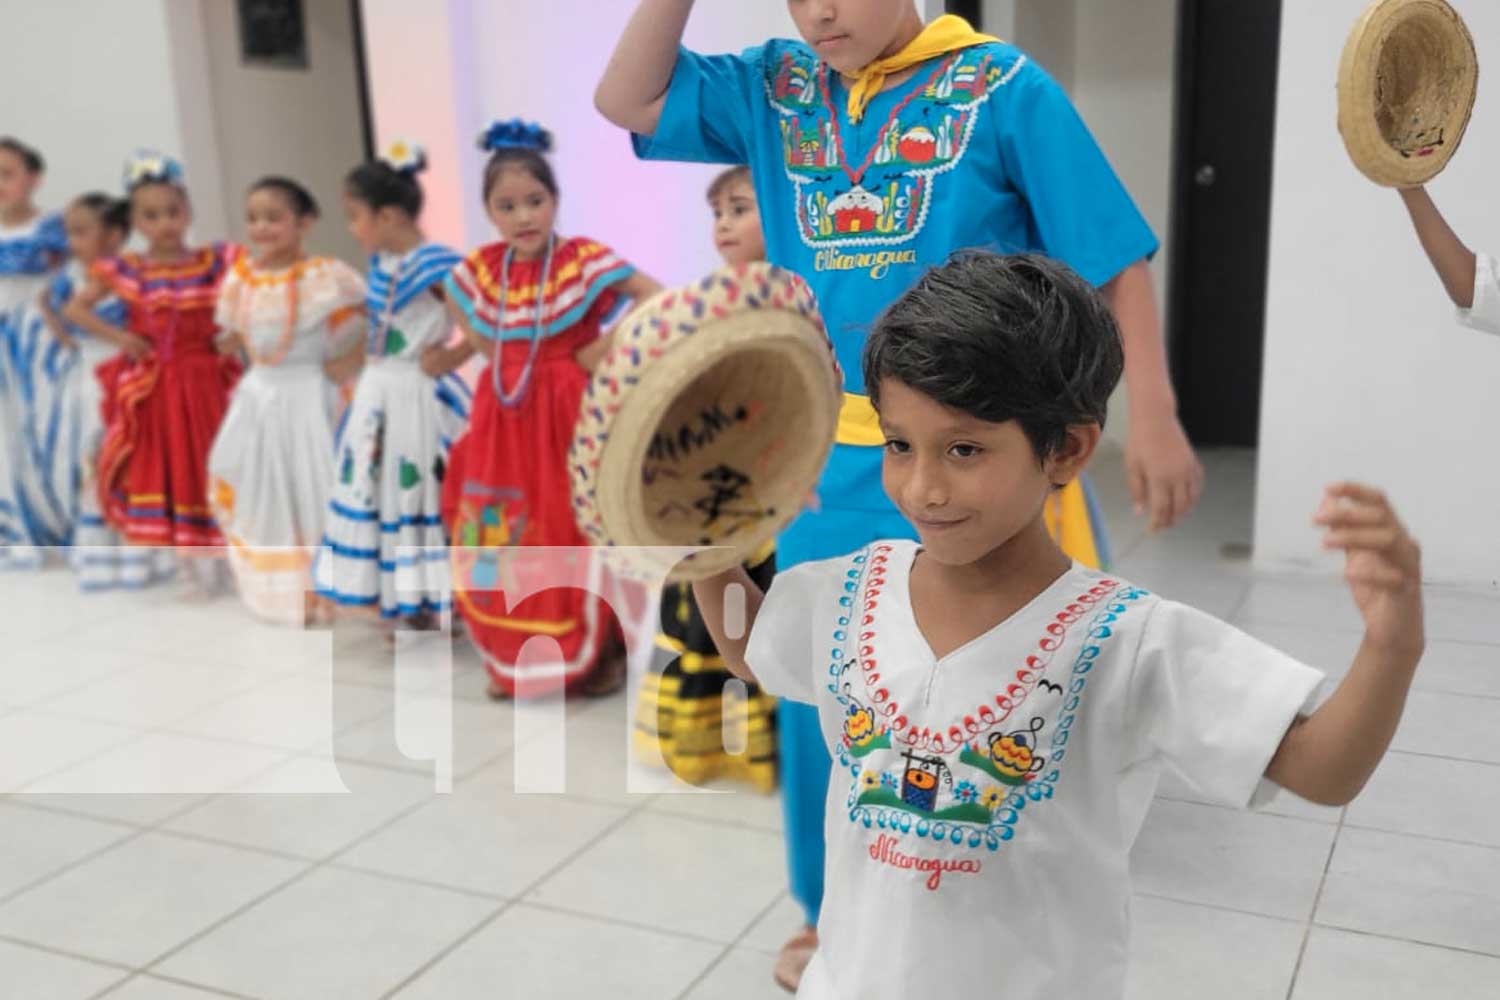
(684, 717)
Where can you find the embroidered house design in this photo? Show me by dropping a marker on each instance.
(879, 195)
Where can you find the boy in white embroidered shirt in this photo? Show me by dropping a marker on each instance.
(1471, 280)
(998, 714)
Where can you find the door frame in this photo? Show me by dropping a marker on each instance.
(1204, 421)
(362, 71)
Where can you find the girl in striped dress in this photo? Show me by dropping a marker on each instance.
(65, 434)
(32, 246)
(383, 544)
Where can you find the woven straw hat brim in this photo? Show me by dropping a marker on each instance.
(707, 425)
(1407, 83)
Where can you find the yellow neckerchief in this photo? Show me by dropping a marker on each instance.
(948, 33)
(858, 423)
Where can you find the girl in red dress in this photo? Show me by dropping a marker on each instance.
(165, 395)
(533, 304)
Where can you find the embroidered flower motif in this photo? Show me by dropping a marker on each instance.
(991, 797)
(870, 780)
(966, 792)
(888, 781)
(405, 157)
(149, 166)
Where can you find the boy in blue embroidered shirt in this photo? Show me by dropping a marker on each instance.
(999, 714)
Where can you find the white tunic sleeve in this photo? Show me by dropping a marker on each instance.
(1212, 702)
(1485, 313)
(780, 652)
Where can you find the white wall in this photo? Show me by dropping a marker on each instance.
(303, 123)
(546, 73)
(420, 80)
(1367, 375)
(89, 82)
(1118, 63)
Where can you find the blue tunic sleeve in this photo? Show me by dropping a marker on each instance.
(708, 116)
(1080, 210)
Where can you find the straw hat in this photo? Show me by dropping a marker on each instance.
(709, 422)
(1406, 87)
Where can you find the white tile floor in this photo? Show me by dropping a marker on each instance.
(186, 891)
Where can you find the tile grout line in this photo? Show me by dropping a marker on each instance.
(309, 869)
(517, 900)
(135, 833)
(175, 980)
(565, 911)
(1248, 812)
(141, 733)
(1492, 955)
(729, 949)
(1220, 907)
(1312, 916)
(1363, 828)
(288, 755)
(158, 827)
(64, 953)
(329, 861)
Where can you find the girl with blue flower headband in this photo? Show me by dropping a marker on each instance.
(167, 392)
(535, 305)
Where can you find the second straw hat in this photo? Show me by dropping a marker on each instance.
(1407, 82)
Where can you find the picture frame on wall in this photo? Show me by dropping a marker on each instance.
(273, 33)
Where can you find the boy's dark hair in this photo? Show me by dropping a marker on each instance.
(113, 213)
(721, 183)
(378, 184)
(30, 158)
(1002, 338)
(304, 205)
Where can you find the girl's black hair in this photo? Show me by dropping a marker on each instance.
(113, 213)
(303, 203)
(515, 143)
(378, 184)
(529, 160)
(29, 157)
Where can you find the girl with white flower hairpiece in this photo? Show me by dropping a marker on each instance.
(166, 393)
(534, 304)
(383, 545)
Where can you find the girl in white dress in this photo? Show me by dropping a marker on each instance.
(298, 320)
(32, 248)
(384, 547)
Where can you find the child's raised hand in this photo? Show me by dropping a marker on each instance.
(1383, 564)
